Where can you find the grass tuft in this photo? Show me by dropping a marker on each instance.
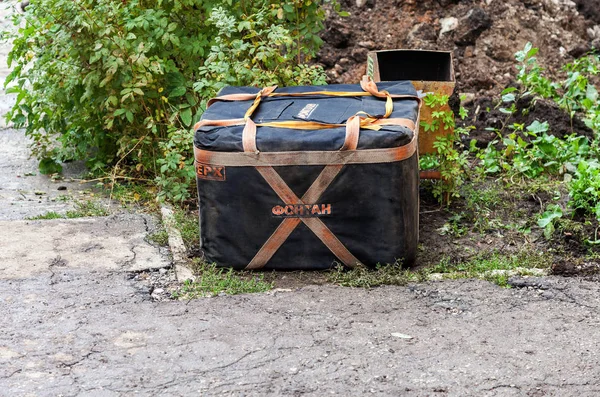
(187, 223)
(160, 237)
(364, 277)
(212, 281)
(87, 208)
(82, 209)
(47, 215)
(493, 267)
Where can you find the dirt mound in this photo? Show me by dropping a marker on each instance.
(483, 36)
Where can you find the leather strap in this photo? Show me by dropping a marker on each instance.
(368, 85)
(261, 159)
(249, 133)
(352, 133)
(249, 137)
(288, 225)
(265, 92)
(369, 123)
(218, 123)
(249, 97)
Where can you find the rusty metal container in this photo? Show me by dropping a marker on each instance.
(429, 71)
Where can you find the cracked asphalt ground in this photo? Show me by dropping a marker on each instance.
(75, 322)
(74, 332)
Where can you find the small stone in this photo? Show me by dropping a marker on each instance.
(547, 295)
(366, 44)
(162, 270)
(475, 22)
(344, 62)
(448, 24)
(420, 34)
(332, 74)
(359, 54)
(402, 336)
(594, 32)
(158, 291)
(368, 3)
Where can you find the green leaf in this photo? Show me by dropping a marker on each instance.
(591, 93)
(553, 212)
(186, 117)
(508, 98)
(549, 230)
(532, 52)
(95, 56)
(177, 92)
(19, 119)
(191, 100)
(49, 166)
(129, 116)
(244, 25)
(508, 90)
(537, 128)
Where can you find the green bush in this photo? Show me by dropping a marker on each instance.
(120, 83)
(584, 189)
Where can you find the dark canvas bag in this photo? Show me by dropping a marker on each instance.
(300, 177)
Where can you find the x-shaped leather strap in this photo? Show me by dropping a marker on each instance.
(288, 225)
(311, 196)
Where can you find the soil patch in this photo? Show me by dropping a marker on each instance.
(590, 9)
(589, 270)
(483, 36)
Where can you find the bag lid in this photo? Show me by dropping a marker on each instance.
(326, 107)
